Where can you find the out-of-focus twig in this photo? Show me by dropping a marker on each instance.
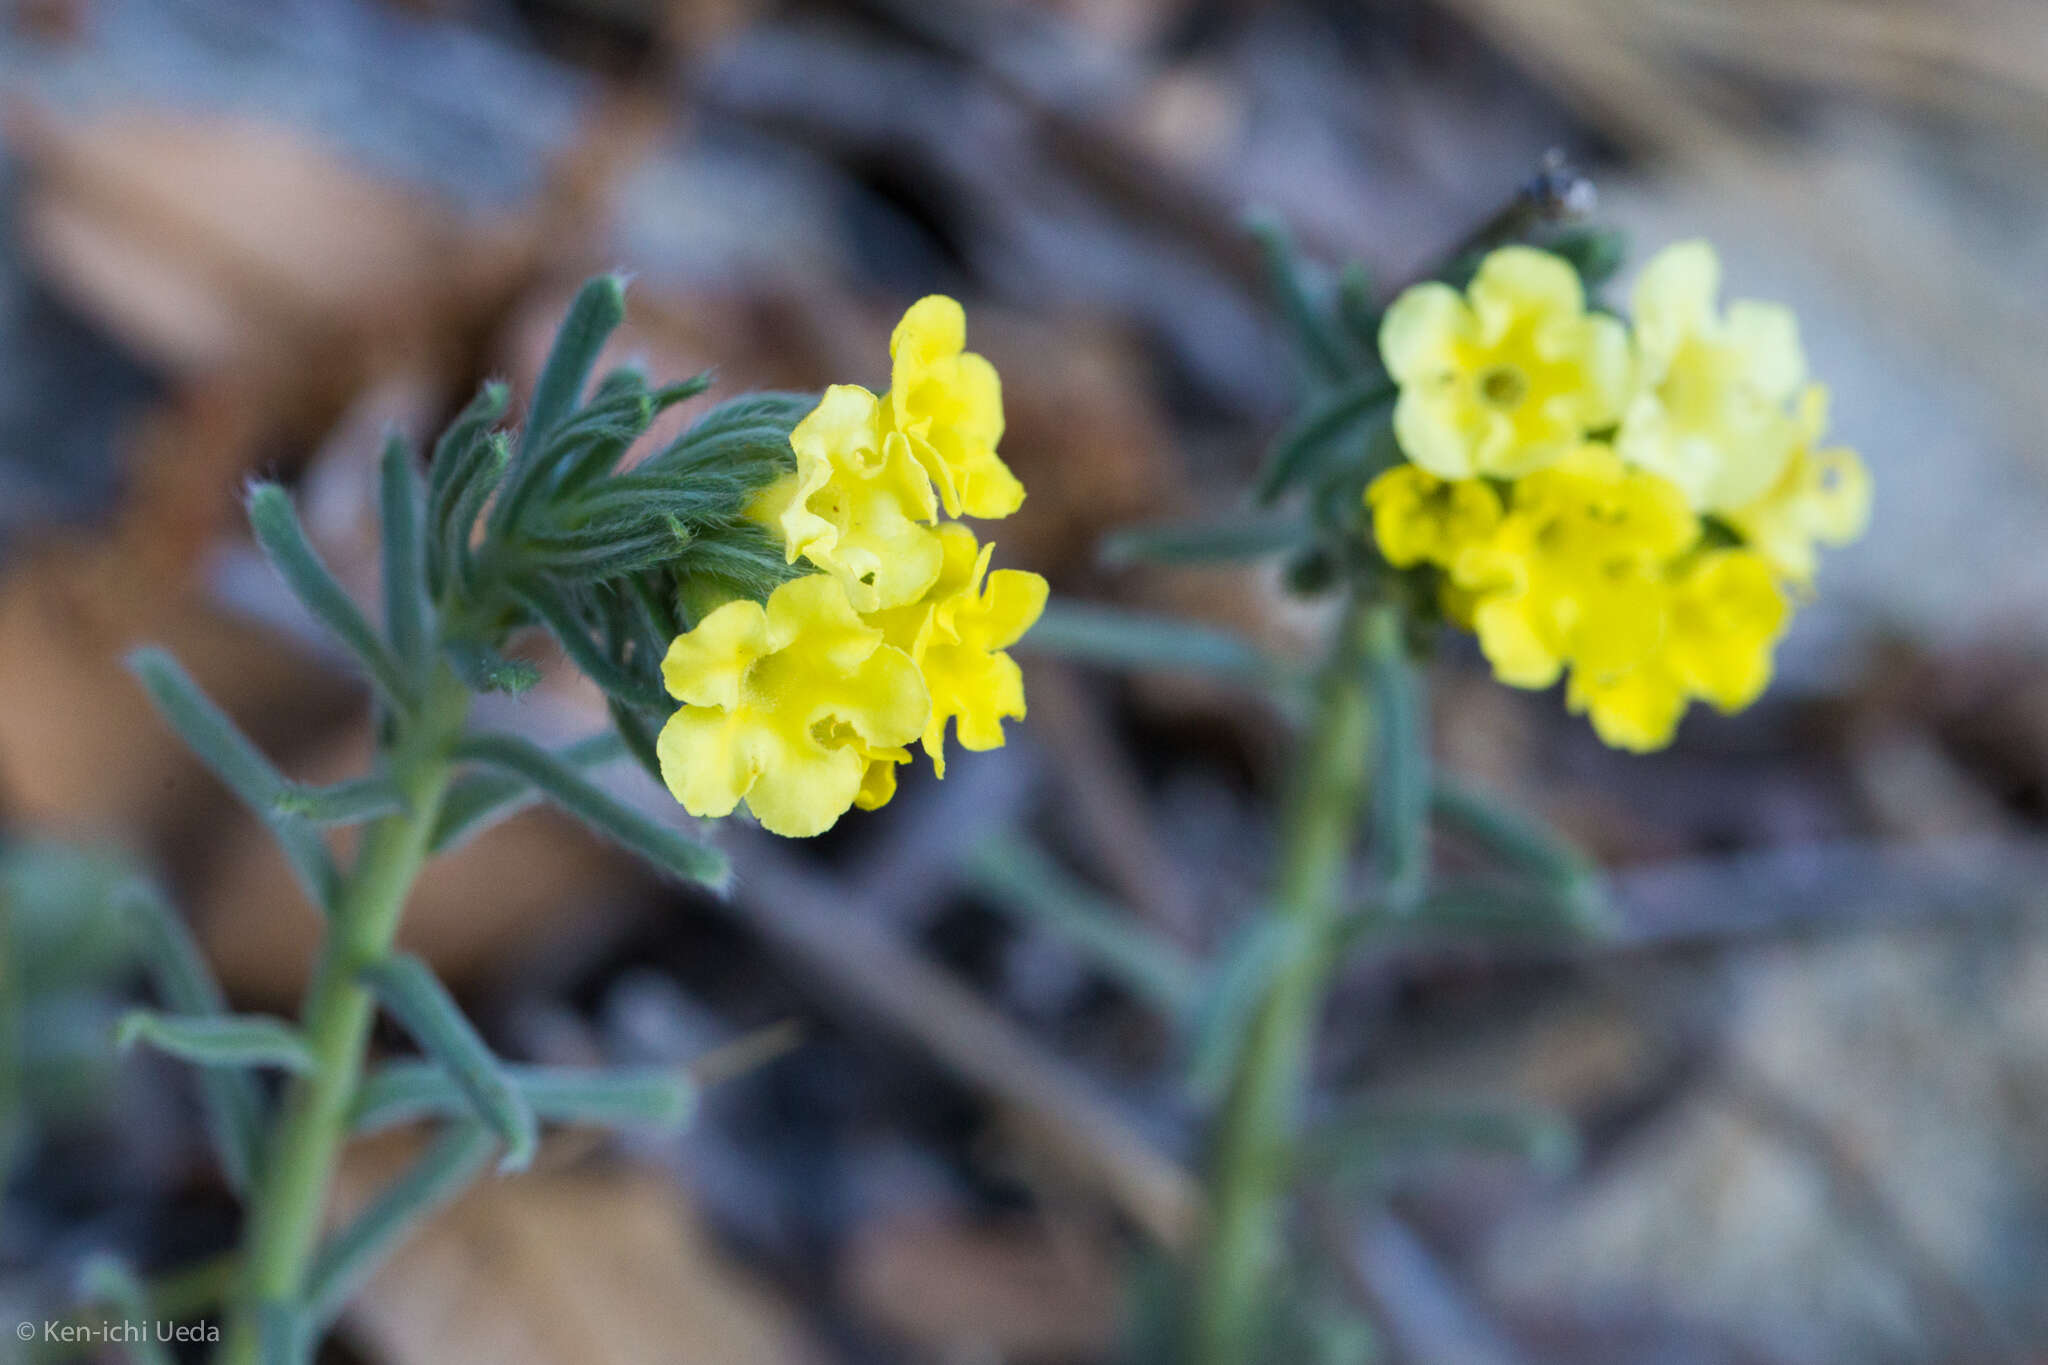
(836, 939)
(1427, 1317)
(1942, 1300)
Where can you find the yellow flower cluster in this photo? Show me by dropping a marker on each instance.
(804, 706)
(1636, 506)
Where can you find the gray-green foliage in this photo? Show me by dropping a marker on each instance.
(545, 526)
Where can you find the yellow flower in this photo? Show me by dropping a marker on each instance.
(1507, 377)
(855, 504)
(1822, 497)
(1712, 410)
(947, 403)
(1637, 709)
(1724, 617)
(1417, 517)
(956, 636)
(1574, 572)
(787, 708)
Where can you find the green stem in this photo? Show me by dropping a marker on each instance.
(285, 1216)
(1252, 1155)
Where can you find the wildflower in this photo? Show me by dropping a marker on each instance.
(1419, 518)
(1823, 496)
(1507, 377)
(956, 636)
(1712, 410)
(788, 708)
(947, 404)
(1573, 574)
(856, 503)
(1723, 618)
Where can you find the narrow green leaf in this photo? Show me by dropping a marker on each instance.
(416, 998)
(404, 1092)
(475, 803)
(1323, 350)
(1373, 1140)
(1223, 1013)
(1195, 542)
(1527, 847)
(458, 452)
(184, 982)
(1356, 311)
(1117, 638)
(1401, 780)
(1531, 912)
(342, 803)
(584, 652)
(1014, 875)
(284, 543)
(285, 1334)
(405, 553)
(235, 1040)
(493, 458)
(639, 736)
(346, 1263)
(1301, 449)
(227, 752)
(109, 1282)
(599, 308)
(664, 847)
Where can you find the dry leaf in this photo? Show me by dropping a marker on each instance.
(595, 1265)
(1010, 1292)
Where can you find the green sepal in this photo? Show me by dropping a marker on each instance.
(483, 669)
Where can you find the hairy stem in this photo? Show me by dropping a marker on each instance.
(1252, 1155)
(298, 1169)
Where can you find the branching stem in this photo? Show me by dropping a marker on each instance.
(298, 1169)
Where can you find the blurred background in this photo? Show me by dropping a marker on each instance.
(1809, 1074)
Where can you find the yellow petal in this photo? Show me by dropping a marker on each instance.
(932, 329)
(709, 758)
(705, 666)
(1674, 296)
(1520, 282)
(807, 789)
(1422, 331)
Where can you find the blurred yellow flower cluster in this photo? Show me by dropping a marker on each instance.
(1634, 505)
(804, 706)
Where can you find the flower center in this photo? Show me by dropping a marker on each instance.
(1503, 386)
